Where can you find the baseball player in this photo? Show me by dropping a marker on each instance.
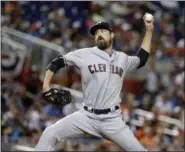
(103, 70)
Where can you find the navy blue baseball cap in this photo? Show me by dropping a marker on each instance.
(99, 25)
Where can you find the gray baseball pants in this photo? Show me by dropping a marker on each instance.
(109, 126)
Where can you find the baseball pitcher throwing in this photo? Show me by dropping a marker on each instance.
(103, 70)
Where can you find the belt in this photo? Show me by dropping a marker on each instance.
(101, 111)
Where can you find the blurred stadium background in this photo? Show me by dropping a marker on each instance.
(33, 33)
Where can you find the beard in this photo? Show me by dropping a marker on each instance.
(102, 44)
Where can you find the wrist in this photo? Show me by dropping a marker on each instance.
(45, 88)
(148, 34)
(149, 30)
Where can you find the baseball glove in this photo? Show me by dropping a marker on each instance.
(57, 96)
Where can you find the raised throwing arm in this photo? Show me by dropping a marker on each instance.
(146, 44)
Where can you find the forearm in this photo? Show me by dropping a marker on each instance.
(47, 80)
(147, 40)
(145, 48)
(52, 68)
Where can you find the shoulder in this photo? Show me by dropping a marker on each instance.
(84, 50)
(121, 54)
(79, 52)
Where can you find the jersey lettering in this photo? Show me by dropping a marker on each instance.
(102, 68)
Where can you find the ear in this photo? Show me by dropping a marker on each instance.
(112, 35)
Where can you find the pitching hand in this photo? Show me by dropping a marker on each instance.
(149, 24)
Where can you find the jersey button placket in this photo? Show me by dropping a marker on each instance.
(109, 72)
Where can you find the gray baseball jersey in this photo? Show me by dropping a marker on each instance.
(102, 77)
(102, 74)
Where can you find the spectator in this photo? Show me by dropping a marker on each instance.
(149, 140)
(128, 105)
(163, 106)
(145, 103)
(152, 81)
(178, 144)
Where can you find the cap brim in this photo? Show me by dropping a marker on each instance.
(95, 27)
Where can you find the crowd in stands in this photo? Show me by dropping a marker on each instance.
(25, 115)
(67, 23)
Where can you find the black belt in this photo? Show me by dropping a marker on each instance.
(100, 111)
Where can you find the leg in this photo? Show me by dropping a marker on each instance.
(72, 125)
(118, 132)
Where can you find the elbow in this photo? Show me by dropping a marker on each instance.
(142, 64)
(143, 56)
(52, 67)
(56, 64)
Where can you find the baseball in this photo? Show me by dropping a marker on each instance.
(148, 17)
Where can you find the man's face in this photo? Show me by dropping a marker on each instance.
(103, 38)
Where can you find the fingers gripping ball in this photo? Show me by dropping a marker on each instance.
(57, 96)
(148, 17)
